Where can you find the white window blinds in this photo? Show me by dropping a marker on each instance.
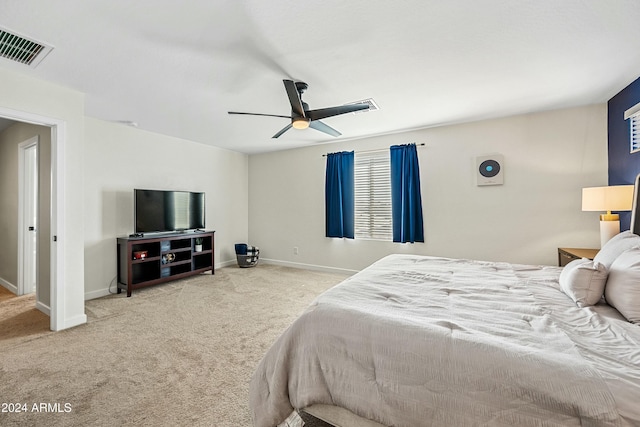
(634, 125)
(373, 195)
(633, 115)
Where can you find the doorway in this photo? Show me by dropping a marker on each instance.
(54, 219)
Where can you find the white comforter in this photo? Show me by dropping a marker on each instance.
(423, 341)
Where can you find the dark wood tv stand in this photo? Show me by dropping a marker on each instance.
(168, 257)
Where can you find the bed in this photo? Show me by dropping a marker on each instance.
(430, 341)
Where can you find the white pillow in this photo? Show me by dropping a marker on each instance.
(615, 246)
(623, 286)
(583, 280)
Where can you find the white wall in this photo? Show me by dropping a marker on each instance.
(24, 94)
(120, 158)
(548, 158)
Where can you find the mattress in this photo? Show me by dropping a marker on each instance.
(427, 341)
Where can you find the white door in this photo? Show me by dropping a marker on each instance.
(28, 221)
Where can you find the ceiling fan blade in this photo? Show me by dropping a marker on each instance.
(284, 129)
(259, 114)
(318, 125)
(323, 113)
(294, 98)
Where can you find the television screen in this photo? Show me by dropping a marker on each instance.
(162, 211)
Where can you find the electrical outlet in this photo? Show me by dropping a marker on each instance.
(295, 250)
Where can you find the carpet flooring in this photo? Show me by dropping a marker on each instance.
(20, 319)
(180, 353)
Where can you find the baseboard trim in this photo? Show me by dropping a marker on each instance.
(226, 263)
(43, 308)
(304, 266)
(98, 294)
(9, 286)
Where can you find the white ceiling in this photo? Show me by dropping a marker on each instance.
(177, 67)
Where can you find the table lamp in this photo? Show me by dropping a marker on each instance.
(611, 198)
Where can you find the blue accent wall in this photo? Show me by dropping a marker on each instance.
(623, 166)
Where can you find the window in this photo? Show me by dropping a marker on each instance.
(634, 125)
(633, 115)
(373, 195)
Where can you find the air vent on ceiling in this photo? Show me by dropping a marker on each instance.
(370, 102)
(21, 49)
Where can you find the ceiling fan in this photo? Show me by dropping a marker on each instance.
(302, 117)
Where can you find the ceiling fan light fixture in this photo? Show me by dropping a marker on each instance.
(300, 123)
(302, 117)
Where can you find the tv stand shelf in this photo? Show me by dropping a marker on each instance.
(166, 257)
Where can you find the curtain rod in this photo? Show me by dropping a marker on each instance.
(376, 150)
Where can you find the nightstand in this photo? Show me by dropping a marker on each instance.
(566, 255)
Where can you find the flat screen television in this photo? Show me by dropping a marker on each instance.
(158, 211)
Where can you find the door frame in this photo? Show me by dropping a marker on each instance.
(56, 240)
(22, 232)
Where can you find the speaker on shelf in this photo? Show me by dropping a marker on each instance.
(490, 170)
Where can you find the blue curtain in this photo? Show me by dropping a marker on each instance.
(339, 195)
(406, 201)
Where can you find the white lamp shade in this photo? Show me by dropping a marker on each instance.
(611, 198)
